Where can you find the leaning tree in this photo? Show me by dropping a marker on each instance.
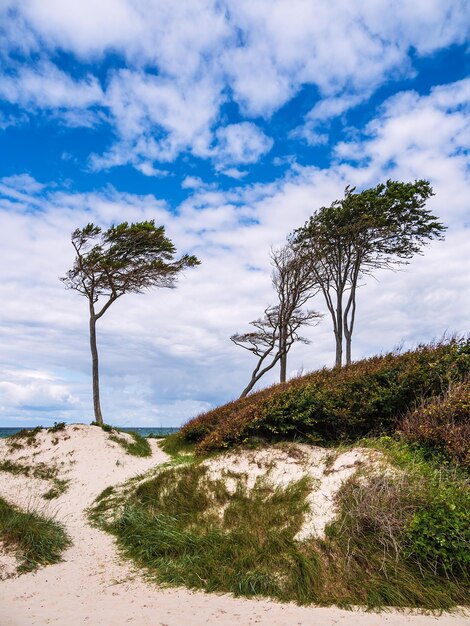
(378, 228)
(277, 331)
(127, 258)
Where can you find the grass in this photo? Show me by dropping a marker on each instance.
(40, 470)
(185, 528)
(180, 450)
(59, 488)
(38, 540)
(138, 447)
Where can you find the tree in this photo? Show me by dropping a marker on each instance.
(294, 285)
(127, 258)
(277, 331)
(266, 342)
(378, 228)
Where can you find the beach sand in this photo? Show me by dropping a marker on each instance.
(94, 586)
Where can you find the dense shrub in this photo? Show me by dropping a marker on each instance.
(368, 397)
(443, 422)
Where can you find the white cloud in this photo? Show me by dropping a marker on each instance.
(165, 355)
(185, 59)
(45, 86)
(241, 144)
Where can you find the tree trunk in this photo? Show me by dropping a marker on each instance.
(348, 349)
(339, 333)
(283, 354)
(95, 372)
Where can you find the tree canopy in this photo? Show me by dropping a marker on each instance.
(381, 227)
(127, 258)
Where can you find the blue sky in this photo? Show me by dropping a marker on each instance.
(229, 123)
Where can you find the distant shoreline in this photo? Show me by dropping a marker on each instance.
(145, 431)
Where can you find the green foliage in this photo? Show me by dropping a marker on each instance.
(172, 526)
(38, 540)
(26, 436)
(139, 447)
(443, 423)
(177, 447)
(106, 427)
(127, 258)
(369, 397)
(39, 470)
(186, 528)
(58, 489)
(57, 427)
(439, 533)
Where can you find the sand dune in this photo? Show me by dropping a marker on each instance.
(94, 586)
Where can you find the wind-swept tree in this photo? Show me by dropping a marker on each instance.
(295, 285)
(378, 228)
(277, 331)
(266, 341)
(127, 258)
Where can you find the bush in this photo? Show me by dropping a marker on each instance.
(443, 423)
(367, 398)
(439, 534)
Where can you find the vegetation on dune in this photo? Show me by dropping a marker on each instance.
(38, 470)
(400, 539)
(369, 397)
(139, 447)
(37, 539)
(443, 423)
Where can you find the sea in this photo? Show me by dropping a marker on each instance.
(155, 431)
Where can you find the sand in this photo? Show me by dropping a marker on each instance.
(94, 586)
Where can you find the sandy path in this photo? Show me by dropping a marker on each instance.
(93, 586)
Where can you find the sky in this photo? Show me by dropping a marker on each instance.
(229, 122)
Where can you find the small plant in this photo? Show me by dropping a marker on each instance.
(58, 426)
(27, 435)
(58, 489)
(38, 540)
(40, 470)
(139, 447)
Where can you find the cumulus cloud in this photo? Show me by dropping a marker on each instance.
(240, 144)
(184, 60)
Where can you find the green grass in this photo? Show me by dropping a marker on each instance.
(59, 488)
(40, 470)
(180, 450)
(38, 540)
(184, 528)
(139, 447)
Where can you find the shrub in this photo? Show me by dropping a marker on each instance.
(443, 423)
(367, 398)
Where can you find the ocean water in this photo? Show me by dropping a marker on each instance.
(159, 431)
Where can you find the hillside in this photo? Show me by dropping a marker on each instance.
(370, 397)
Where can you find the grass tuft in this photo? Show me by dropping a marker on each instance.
(38, 540)
(139, 447)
